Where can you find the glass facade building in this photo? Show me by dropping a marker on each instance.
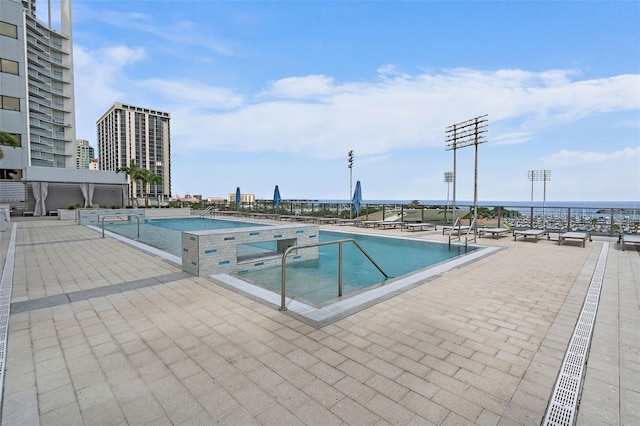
(128, 132)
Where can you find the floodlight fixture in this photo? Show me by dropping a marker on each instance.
(448, 178)
(544, 176)
(463, 134)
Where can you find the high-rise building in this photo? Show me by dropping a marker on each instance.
(37, 106)
(37, 85)
(84, 154)
(127, 132)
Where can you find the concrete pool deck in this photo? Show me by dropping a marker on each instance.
(101, 332)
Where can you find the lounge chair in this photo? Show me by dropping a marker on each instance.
(458, 229)
(348, 221)
(326, 220)
(573, 235)
(369, 223)
(418, 226)
(629, 239)
(386, 224)
(535, 233)
(495, 232)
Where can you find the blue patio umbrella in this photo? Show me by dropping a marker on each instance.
(357, 198)
(276, 197)
(237, 198)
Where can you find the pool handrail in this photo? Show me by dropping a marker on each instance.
(208, 210)
(119, 216)
(458, 225)
(286, 253)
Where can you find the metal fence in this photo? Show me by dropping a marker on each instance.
(600, 220)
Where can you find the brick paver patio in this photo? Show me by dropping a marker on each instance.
(103, 333)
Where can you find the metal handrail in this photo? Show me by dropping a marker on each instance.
(457, 224)
(339, 242)
(453, 228)
(472, 227)
(119, 216)
(207, 210)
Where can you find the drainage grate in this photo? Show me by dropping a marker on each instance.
(564, 400)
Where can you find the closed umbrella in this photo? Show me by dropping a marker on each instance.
(276, 197)
(357, 198)
(237, 198)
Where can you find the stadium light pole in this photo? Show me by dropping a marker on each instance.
(546, 176)
(539, 175)
(463, 134)
(350, 165)
(448, 178)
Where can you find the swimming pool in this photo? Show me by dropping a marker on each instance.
(316, 281)
(313, 281)
(164, 234)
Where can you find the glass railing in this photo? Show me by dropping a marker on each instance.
(604, 219)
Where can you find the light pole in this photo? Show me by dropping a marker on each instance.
(537, 175)
(350, 165)
(460, 135)
(448, 178)
(546, 175)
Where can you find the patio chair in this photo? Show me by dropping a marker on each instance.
(574, 235)
(629, 239)
(495, 232)
(535, 233)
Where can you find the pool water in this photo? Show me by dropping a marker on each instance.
(316, 282)
(313, 281)
(165, 234)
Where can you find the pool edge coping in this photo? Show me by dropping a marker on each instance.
(327, 314)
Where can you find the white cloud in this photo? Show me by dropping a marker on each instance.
(301, 87)
(513, 138)
(319, 116)
(606, 159)
(193, 95)
(99, 82)
(317, 119)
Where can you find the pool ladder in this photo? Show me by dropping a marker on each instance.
(457, 228)
(208, 210)
(283, 306)
(121, 217)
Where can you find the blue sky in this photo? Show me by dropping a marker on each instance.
(266, 93)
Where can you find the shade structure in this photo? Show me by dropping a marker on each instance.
(276, 197)
(357, 198)
(237, 198)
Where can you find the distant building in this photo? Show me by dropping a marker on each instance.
(84, 154)
(187, 198)
(94, 164)
(244, 198)
(127, 132)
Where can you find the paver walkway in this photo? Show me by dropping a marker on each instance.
(132, 340)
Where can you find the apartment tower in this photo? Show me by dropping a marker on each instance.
(37, 107)
(84, 154)
(36, 81)
(127, 132)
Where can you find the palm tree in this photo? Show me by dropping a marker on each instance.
(148, 177)
(134, 174)
(7, 139)
(156, 179)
